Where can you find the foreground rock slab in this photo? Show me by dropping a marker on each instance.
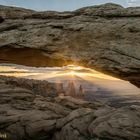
(27, 115)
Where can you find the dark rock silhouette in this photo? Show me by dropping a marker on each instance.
(81, 92)
(70, 90)
(1, 19)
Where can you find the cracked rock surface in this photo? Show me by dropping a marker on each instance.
(28, 115)
(105, 37)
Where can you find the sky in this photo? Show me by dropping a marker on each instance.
(64, 5)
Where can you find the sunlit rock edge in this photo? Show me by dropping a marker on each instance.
(104, 37)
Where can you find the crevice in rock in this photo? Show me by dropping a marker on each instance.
(11, 27)
(111, 60)
(81, 134)
(124, 54)
(1, 19)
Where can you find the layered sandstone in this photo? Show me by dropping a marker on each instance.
(27, 115)
(104, 37)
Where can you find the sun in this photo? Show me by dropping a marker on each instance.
(75, 67)
(72, 73)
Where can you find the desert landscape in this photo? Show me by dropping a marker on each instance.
(71, 75)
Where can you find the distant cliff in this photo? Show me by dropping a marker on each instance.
(38, 87)
(105, 37)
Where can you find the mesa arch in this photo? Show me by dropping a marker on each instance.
(105, 37)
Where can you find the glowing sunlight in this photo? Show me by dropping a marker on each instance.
(71, 70)
(78, 74)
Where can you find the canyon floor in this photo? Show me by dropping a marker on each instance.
(40, 110)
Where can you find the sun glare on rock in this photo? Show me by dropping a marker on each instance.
(74, 67)
(72, 73)
(49, 72)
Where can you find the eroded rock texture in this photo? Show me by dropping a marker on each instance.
(43, 88)
(27, 115)
(105, 37)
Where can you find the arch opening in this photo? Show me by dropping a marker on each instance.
(79, 82)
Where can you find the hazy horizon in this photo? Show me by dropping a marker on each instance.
(64, 5)
(95, 85)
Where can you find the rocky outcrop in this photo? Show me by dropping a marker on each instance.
(104, 37)
(26, 115)
(38, 87)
